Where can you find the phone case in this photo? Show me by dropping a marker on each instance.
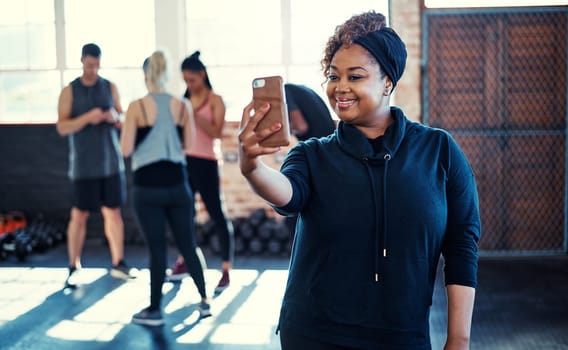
(271, 90)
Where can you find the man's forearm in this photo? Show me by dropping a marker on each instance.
(71, 125)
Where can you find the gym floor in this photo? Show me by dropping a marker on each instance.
(522, 303)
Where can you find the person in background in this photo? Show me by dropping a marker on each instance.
(202, 162)
(379, 201)
(308, 113)
(309, 117)
(88, 111)
(156, 129)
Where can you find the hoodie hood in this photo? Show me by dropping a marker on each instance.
(354, 143)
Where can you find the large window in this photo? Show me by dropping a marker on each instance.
(285, 37)
(28, 81)
(125, 31)
(42, 40)
(239, 40)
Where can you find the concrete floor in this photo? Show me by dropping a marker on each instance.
(522, 303)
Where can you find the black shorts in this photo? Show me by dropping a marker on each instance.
(92, 194)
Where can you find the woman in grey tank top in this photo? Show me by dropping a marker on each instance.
(155, 132)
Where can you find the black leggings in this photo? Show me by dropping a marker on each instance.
(153, 207)
(204, 178)
(294, 341)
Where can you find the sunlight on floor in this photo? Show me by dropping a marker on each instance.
(115, 305)
(254, 321)
(251, 304)
(25, 288)
(85, 331)
(266, 296)
(248, 325)
(242, 334)
(188, 294)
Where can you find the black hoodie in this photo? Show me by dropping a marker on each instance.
(371, 228)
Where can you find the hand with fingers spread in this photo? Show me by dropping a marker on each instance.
(268, 183)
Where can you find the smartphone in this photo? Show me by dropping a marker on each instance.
(271, 90)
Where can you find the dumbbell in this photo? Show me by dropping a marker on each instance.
(246, 230)
(266, 229)
(42, 237)
(24, 244)
(274, 246)
(256, 246)
(7, 245)
(240, 245)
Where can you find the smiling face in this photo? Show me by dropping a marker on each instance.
(357, 90)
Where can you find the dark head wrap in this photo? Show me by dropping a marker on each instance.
(388, 49)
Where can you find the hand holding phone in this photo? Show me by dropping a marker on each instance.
(271, 90)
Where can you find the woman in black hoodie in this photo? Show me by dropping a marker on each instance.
(378, 202)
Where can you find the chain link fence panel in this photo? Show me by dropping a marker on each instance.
(496, 80)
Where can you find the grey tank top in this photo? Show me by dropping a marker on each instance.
(94, 151)
(162, 142)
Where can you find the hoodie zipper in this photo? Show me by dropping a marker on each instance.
(387, 157)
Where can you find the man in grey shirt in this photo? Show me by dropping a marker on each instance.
(88, 112)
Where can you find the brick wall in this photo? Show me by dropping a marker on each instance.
(405, 19)
(240, 200)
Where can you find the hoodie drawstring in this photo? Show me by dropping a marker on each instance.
(387, 158)
(365, 160)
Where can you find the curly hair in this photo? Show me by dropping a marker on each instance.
(353, 28)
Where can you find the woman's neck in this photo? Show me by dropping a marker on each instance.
(153, 88)
(377, 127)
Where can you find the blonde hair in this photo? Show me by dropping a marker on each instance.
(156, 69)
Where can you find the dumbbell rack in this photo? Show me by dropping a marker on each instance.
(20, 237)
(255, 235)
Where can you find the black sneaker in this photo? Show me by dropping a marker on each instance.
(204, 309)
(70, 281)
(148, 317)
(123, 271)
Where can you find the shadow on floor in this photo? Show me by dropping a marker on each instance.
(521, 303)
